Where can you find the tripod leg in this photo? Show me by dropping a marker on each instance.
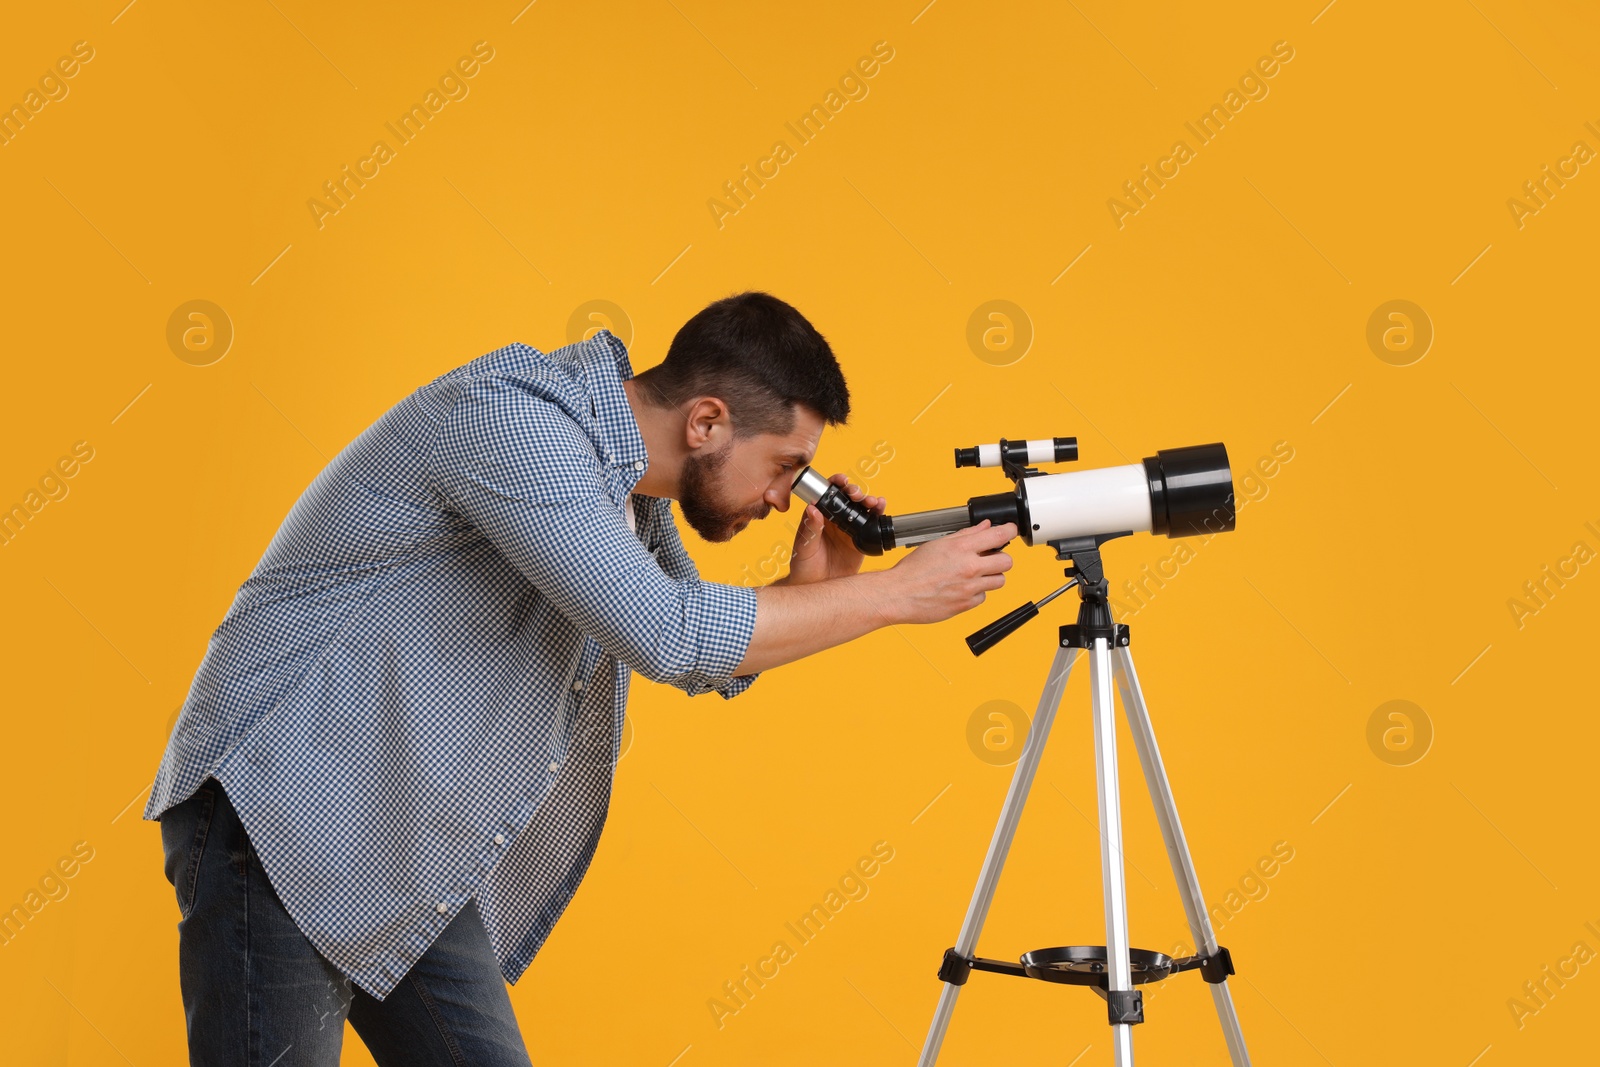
(1000, 844)
(1194, 907)
(1119, 976)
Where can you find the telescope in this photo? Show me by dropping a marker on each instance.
(1178, 492)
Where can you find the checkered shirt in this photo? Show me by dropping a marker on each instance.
(417, 696)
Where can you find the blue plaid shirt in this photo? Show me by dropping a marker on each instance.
(417, 696)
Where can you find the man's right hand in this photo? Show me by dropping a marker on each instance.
(951, 574)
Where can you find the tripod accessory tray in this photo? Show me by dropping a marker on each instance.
(1085, 965)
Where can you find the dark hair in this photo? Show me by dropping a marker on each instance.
(759, 355)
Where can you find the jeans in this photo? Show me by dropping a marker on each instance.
(256, 993)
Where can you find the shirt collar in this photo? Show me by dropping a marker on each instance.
(605, 369)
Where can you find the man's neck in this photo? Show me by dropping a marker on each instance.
(662, 431)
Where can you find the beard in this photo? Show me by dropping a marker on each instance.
(702, 507)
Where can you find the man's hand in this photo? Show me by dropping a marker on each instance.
(821, 549)
(951, 574)
(936, 580)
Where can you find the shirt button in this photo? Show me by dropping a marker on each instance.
(638, 464)
(554, 767)
(499, 839)
(443, 907)
(577, 686)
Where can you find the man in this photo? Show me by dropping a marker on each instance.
(396, 757)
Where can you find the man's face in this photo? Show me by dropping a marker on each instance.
(722, 492)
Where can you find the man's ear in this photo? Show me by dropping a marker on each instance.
(707, 424)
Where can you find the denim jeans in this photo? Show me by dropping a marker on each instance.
(256, 993)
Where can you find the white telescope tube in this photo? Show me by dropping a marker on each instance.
(1085, 503)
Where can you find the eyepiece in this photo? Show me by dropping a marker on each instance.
(810, 486)
(871, 533)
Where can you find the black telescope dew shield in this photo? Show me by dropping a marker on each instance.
(1178, 492)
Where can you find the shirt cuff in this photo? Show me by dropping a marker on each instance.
(725, 618)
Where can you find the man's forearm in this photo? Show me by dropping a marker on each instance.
(794, 621)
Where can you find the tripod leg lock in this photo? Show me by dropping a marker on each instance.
(1216, 968)
(1126, 1006)
(954, 968)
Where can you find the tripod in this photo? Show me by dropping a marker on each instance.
(1114, 969)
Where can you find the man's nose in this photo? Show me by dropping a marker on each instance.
(778, 498)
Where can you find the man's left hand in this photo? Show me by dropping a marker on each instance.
(821, 549)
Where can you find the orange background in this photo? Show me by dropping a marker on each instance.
(1429, 880)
